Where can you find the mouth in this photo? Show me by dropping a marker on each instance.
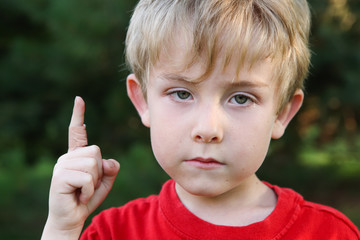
(204, 163)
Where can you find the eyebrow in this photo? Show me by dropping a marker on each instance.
(236, 83)
(248, 84)
(179, 78)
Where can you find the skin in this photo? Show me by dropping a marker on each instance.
(209, 136)
(80, 183)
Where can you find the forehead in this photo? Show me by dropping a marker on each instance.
(179, 59)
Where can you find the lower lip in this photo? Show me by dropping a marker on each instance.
(204, 165)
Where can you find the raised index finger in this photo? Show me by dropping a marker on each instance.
(77, 130)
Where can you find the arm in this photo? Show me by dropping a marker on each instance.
(81, 181)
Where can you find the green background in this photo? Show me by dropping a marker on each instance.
(51, 51)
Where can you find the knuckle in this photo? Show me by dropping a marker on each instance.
(56, 172)
(94, 149)
(59, 176)
(88, 179)
(57, 168)
(92, 164)
(62, 158)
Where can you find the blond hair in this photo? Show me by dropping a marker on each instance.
(247, 31)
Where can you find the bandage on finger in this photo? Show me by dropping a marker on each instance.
(77, 137)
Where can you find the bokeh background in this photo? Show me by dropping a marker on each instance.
(53, 50)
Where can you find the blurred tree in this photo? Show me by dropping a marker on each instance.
(52, 51)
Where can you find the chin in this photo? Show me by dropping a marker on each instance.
(204, 190)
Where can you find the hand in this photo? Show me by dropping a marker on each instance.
(81, 181)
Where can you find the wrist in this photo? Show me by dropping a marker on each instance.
(54, 232)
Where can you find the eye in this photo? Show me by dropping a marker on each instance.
(180, 95)
(241, 99)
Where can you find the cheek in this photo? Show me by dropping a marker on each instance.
(165, 142)
(251, 139)
(166, 132)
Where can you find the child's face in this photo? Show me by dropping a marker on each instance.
(210, 136)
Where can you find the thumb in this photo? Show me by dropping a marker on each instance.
(110, 170)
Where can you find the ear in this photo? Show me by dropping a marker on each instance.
(287, 113)
(136, 95)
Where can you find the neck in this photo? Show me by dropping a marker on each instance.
(252, 201)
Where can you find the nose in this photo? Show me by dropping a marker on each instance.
(208, 127)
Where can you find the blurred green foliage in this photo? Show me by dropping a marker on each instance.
(51, 51)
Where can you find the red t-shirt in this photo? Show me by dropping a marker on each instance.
(165, 217)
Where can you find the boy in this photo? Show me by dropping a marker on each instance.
(214, 81)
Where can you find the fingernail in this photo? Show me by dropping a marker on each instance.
(110, 163)
(76, 98)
